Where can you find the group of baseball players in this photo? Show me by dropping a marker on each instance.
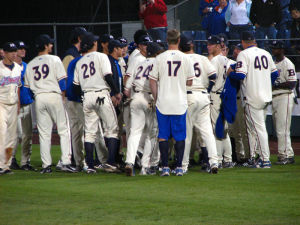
(169, 101)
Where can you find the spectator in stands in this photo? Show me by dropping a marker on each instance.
(217, 23)
(205, 11)
(295, 29)
(294, 4)
(155, 19)
(283, 31)
(265, 14)
(238, 18)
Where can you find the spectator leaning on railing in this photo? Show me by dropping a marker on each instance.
(237, 17)
(205, 11)
(155, 19)
(217, 23)
(265, 14)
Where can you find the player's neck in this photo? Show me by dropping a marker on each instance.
(114, 55)
(190, 52)
(279, 58)
(77, 46)
(45, 52)
(173, 47)
(6, 61)
(19, 60)
(216, 53)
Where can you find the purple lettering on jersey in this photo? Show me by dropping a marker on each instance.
(177, 63)
(38, 74)
(9, 80)
(197, 70)
(291, 72)
(138, 73)
(84, 67)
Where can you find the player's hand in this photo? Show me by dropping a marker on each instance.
(206, 10)
(118, 97)
(142, 8)
(127, 92)
(229, 70)
(114, 101)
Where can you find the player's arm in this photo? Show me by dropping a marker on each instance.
(110, 81)
(291, 80)
(190, 71)
(128, 78)
(211, 74)
(240, 68)
(153, 78)
(274, 71)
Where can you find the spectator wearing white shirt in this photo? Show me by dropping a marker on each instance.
(238, 17)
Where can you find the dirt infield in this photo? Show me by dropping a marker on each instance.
(272, 141)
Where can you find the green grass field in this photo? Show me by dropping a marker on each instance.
(234, 196)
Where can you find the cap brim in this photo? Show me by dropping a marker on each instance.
(11, 50)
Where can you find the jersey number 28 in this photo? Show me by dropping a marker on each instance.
(85, 70)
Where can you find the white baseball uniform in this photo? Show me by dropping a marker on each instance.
(282, 106)
(198, 114)
(133, 61)
(10, 80)
(220, 63)
(89, 74)
(42, 76)
(256, 92)
(143, 111)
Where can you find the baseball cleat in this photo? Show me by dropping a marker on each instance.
(205, 168)
(110, 168)
(227, 165)
(90, 171)
(59, 166)
(152, 170)
(262, 164)
(68, 168)
(291, 160)
(165, 172)
(14, 164)
(28, 167)
(282, 161)
(144, 171)
(179, 171)
(214, 168)
(46, 170)
(129, 170)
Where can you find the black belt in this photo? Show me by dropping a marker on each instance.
(217, 92)
(280, 94)
(135, 91)
(189, 92)
(238, 97)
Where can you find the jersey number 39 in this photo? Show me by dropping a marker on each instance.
(38, 73)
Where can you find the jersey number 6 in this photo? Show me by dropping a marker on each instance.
(44, 70)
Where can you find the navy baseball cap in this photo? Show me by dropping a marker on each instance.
(153, 48)
(9, 47)
(185, 43)
(223, 38)
(247, 36)
(123, 41)
(43, 39)
(144, 40)
(88, 40)
(277, 45)
(20, 45)
(239, 46)
(106, 38)
(114, 44)
(214, 40)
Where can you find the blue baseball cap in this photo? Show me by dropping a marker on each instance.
(43, 39)
(277, 45)
(214, 40)
(247, 36)
(9, 47)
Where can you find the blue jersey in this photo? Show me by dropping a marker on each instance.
(70, 72)
(26, 95)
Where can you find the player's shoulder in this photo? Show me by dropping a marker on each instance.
(288, 62)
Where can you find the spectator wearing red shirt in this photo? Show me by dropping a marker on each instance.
(154, 14)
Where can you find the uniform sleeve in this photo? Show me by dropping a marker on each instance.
(105, 65)
(154, 73)
(290, 73)
(209, 68)
(60, 70)
(189, 69)
(130, 80)
(76, 76)
(241, 65)
(26, 81)
(131, 68)
(273, 67)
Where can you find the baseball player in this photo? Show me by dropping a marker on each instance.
(45, 76)
(10, 80)
(282, 102)
(142, 110)
(238, 128)
(198, 114)
(220, 63)
(124, 59)
(141, 53)
(93, 74)
(172, 72)
(257, 69)
(26, 100)
(104, 40)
